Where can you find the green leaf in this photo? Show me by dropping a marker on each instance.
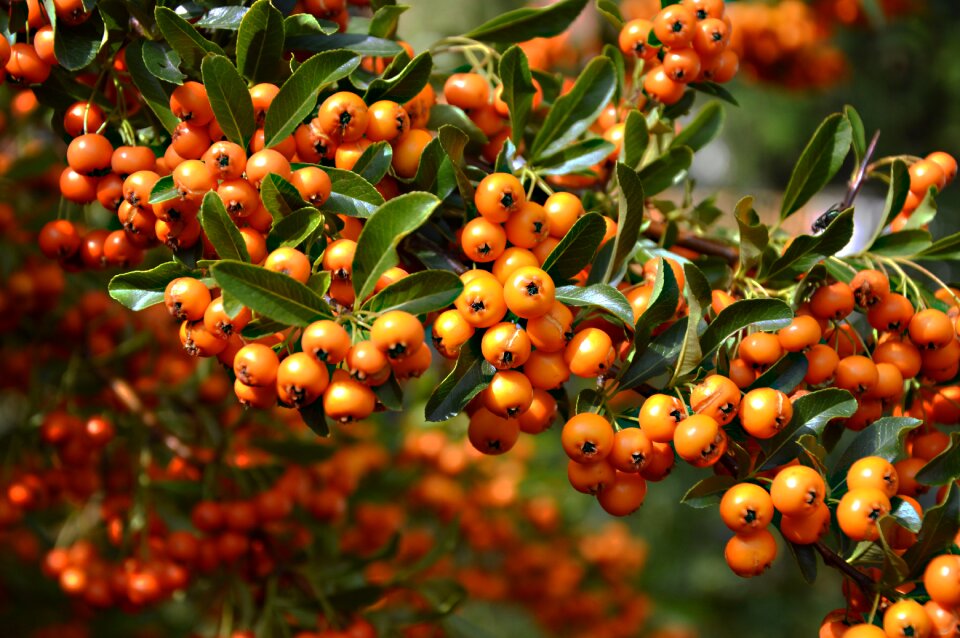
(304, 24)
(270, 294)
(940, 526)
(754, 236)
(666, 171)
(163, 190)
(811, 413)
(151, 89)
(418, 293)
(760, 314)
(574, 112)
(708, 492)
(690, 353)
(715, 90)
(577, 157)
(385, 20)
(222, 233)
(662, 307)
(76, 46)
(260, 42)
(442, 114)
(442, 595)
(945, 467)
(630, 216)
(162, 61)
(279, 196)
(226, 18)
(436, 172)
(905, 514)
(298, 95)
(703, 129)
(902, 244)
(295, 228)
(261, 327)
(139, 289)
(636, 137)
(806, 250)
(377, 245)
(925, 212)
(609, 10)
(470, 375)
(229, 98)
(806, 557)
(351, 194)
(525, 24)
(297, 451)
(374, 162)
(858, 134)
(657, 357)
(785, 375)
(354, 42)
(315, 419)
(405, 85)
(896, 194)
(818, 163)
(620, 67)
(600, 296)
(944, 249)
(518, 89)
(577, 247)
(184, 38)
(884, 438)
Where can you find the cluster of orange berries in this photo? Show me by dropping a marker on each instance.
(201, 160)
(692, 45)
(786, 43)
(935, 171)
(31, 62)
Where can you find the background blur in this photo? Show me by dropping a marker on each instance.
(902, 74)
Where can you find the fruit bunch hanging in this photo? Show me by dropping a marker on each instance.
(340, 209)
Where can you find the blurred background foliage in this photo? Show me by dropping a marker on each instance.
(901, 73)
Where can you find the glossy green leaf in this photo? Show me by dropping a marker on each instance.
(575, 158)
(636, 138)
(760, 314)
(577, 247)
(858, 134)
(574, 112)
(525, 24)
(184, 38)
(690, 352)
(785, 375)
(518, 89)
(354, 42)
(279, 196)
(152, 91)
(944, 249)
(304, 24)
(662, 307)
(940, 526)
(295, 228)
(806, 250)
(226, 18)
(260, 43)
(351, 194)
(139, 289)
(602, 297)
(819, 162)
(470, 375)
(657, 357)
(714, 90)
(405, 85)
(811, 413)
(270, 294)
(945, 467)
(385, 20)
(436, 172)
(163, 190)
(754, 236)
(76, 46)
(902, 244)
(708, 492)
(220, 230)
(442, 114)
(703, 129)
(374, 162)
(418, 293)
(162, 62)
(298, 95)
(630, 208)
(666, 171)
(884, 437)
(806, 558)
(229, 98)
(609, 10)
(377, 245)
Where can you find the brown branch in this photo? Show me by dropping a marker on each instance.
(132, 402)
(831, 558)
(853, 189)
(691, 241)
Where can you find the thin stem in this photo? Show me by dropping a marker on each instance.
(857, 183)
(912, 264)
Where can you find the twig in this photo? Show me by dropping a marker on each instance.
(831, 558)
(694, 242)
(131, 400)
(857, 183)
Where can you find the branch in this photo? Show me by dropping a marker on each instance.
(853, 189)
(132, 402)
(831, 558)
(694, 242)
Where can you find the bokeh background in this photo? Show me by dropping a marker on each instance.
(901, 72)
